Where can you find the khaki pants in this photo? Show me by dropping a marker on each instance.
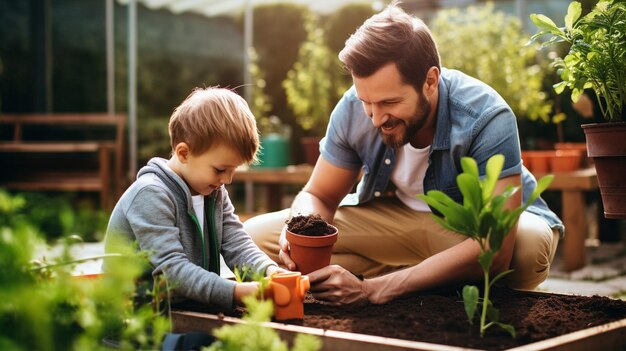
(384, 235)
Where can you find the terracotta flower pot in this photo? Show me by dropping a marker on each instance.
(566, 160)
(537, 161)
(582, 147)
(311, 253)
(605, 143)
(287, 290)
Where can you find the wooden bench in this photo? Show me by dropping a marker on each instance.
(572, 186)
(64, 152)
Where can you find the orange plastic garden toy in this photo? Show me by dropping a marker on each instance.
(288, 291)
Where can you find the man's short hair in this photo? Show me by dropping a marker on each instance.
(392, 36)
(215, 116)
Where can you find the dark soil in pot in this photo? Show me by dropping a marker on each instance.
(310, 225)
(441, 319)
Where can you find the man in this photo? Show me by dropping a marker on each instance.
(405, 124)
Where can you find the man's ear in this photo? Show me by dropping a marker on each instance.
(432, 81)
(182, 152)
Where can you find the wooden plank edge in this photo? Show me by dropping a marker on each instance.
(185, 321)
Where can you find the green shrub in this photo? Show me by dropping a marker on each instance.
(278, 34)
(64, 214)
(490, 45)
(43, 307)
(313, 86)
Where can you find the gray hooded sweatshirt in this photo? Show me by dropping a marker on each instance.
(157, 212)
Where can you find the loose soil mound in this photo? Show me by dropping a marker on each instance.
(310, 225)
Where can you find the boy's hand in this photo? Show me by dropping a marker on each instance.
(283, 254)
(244, 289)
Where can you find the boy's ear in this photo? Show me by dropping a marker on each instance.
(182, 152)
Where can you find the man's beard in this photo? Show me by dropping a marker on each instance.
(415, 124)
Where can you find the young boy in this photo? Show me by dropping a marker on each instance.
(178, 209)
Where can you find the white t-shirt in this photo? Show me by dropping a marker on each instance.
(408, 176)
(198, 208)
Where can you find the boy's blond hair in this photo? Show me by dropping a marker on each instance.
(215, 116)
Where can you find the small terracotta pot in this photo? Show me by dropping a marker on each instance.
(582, 147)
(287, 290)
(566, 160)
(541, 161)
(311, 253)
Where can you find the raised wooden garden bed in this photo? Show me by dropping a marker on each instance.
(543, 321)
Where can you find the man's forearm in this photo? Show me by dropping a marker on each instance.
(455, 265)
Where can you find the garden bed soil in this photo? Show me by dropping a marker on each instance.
(440, 319)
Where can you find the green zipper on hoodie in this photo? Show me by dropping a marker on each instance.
(214, 263)
(195, 220)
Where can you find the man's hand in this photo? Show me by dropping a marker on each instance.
(283, 254)
(338, 286)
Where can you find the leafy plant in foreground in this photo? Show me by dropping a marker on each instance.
(483, 218)
(44, 307)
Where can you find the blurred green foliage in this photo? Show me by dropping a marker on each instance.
(254, 336)
(313, 85)
(340, 24)
(278, 32)
(63, 214)
(490, 45)
(43, 307)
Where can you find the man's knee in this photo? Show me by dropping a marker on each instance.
(265, 229)
(535, 246)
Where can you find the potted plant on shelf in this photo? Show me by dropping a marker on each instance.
(597, 60)
(313, 87)
(311, 241)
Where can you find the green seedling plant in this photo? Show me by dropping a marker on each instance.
(246, 272)
(483, 218)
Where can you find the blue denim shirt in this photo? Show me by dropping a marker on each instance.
(472, 120)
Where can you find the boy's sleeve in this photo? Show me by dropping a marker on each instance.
(238, 248)
(152, 218)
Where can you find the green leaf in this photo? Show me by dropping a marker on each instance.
(470, 188)
(455, 214)
(507, 327)
(485, 259)
(470, 300)
(560, 87)
(469, 166)
(544, 22)
(496, 238)
(573, 13)
(576, 93)
(494, 166)
(492, 313)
